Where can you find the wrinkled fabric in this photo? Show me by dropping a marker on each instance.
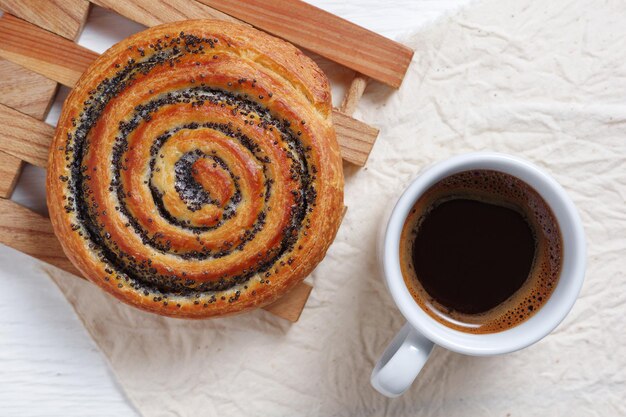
(544, 80)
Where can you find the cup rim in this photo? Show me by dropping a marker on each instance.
(542, 322)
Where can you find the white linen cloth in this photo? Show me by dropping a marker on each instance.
(545, 80)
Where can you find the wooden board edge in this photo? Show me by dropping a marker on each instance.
(25, 137)
(356, 139)
(52, 16)
(291, 305)
(10, 170)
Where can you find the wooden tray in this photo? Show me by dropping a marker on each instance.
(38, 52)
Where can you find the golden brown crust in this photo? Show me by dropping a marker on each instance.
(195, 170)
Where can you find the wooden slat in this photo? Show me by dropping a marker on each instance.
(325, 34)
(24, 137)
(63, 17)
(29, 93)
(25, 90)
(43, 52)
(356, 138)
(49, 55)
(291, 305)
(156, 12)
(10, 169)
(32, 234)
(353, 95)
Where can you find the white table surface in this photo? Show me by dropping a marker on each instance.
(49, 366)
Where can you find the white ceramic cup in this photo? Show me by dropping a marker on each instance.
(409, 350)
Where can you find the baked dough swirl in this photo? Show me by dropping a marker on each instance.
(195, 170)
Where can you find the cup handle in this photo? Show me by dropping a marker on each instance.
(401, 362)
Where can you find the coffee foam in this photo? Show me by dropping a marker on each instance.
(496, 188)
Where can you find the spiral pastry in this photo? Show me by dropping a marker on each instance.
(195, 170)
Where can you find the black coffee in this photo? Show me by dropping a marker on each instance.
(481, 251)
